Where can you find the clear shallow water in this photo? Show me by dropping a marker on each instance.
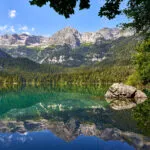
(65, 118)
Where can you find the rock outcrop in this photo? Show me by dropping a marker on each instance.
(68, 36)
(120, 90)
(123, 96)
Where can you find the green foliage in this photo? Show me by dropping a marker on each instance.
(142, 63)
(110, 8)
(142, 60)
(36, 48)
(139, 12)
(142, 114)
(134, 79)
(79, 76)
(22, 64)
(63, 7)
(86, 44)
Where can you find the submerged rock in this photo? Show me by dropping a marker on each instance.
(123, 96)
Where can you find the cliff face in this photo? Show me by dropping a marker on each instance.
(105, 34)
(73, 38)
(68, 35)
(16, 40)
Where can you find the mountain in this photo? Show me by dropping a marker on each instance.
(68, 35)
(16, 40)
(86, 54)
(3, 54)
(104, 34)
(69, 47)
(74, 38)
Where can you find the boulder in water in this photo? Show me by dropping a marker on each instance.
(120, 90)
(123, 96)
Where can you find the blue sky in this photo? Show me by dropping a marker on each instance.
(17, 16)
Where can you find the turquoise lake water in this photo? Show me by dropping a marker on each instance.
(67, 117)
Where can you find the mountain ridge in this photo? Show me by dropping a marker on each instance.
(67, 35)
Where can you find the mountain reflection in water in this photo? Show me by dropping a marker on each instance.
(67, 117)
(46, 140)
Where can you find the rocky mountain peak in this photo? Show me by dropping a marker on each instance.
(106, 34)
(69, 29)
(68, 36)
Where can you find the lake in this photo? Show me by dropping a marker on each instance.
(69, 118)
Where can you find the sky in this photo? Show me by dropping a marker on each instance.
(18, 16)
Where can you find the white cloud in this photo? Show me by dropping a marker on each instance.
(12, 29)
(12, 13)
(16, 29)
(23, 28)
(7, 29)
(33, 29)
(3, 28)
